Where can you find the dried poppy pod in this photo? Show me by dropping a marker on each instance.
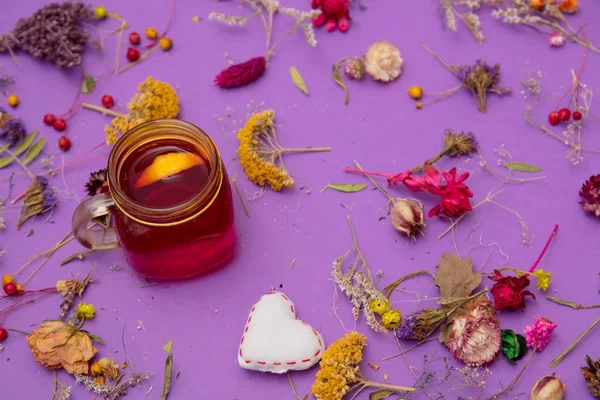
(407, 217)
(548, 387)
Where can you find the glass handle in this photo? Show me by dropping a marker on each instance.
(85, 212)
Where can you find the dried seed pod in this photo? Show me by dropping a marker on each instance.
(548, 387)
(407, 217)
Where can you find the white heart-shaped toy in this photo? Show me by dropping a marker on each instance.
(275, 340)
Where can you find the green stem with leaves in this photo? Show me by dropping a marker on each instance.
(14, 157)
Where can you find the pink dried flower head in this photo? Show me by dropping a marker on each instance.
(557, 39)
(241, 74)
(590, 195)
(354, 68)
(474, 337)
(539, 334)
(334, 14)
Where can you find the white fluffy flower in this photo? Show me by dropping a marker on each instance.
(557, 40)
(383, 61)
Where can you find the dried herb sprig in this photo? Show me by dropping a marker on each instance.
(247, 72)
(480, 78)
(358, 284)
(53, 33)
(453, 9)
(39, 199)
(519, 12)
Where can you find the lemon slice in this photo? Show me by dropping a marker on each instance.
(167, 165)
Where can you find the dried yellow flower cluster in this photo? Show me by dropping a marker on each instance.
(155, 100)
(256, 158)
(339, 367)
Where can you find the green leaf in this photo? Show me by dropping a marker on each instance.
(380, 394)
(345, 187)
(298, 81)
(34, 151)
(168, 371)
(337, 78)
(88, 84)
(511, 347)
(5, 161)
(521, 167)
(25, 143)
(523, 349)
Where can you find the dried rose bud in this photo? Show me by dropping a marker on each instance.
(548, 387)
(354, 68)
(407, 217)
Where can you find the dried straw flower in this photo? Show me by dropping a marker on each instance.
(110, 368)
(591, 374)
(154, 100)
(383, 61)
(261, 155)
(39, 198)
(590, 195)
(53, 33)
(474, 337)
(354, 68)
(97, 183)
(56, 344)
(12, 129)
(85, 311)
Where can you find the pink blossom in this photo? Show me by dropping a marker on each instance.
(538, 336)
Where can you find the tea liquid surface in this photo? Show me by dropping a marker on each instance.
(164, 175)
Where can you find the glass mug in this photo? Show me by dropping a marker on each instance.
(170, 228)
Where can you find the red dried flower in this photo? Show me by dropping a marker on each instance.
(334, 14)
(508, 291)
(241, 74)
(590, 195)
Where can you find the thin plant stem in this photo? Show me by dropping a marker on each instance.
(15, 158)
(444, 95)
(103, 110)
(514, 381)
(293, 387)
(58, 246)
(142, 57)
(554, 363)
(438, 57)
(539, 258)
(389, 289)
(419, 343)
(270, 29)
(305, 150)
(237, 190)
(486, 200)
(382, 190)
(291, 30)
(571, 304)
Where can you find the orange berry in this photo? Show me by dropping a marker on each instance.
(7, 279)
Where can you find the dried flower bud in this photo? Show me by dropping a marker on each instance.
(591, 374)
(383, 61)
(407, 217)
(548, 387)
(354, 68)
(557, 40)
(459, 144)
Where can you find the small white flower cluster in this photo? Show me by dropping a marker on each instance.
(91, 385)
(228, 19)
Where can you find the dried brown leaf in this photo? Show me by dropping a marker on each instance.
(374, 366)
(455, 277)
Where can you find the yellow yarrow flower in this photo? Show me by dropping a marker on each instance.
(391, 319)
(85, 311)
(261, 155)
(339, 367)
(543, 279)
(154, 100)
(379, 307)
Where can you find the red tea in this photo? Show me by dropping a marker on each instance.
(165, 174)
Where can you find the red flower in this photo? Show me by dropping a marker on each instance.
(241, 74)
(334, 14)
(508, 291)
(590, 195)
(455, 194)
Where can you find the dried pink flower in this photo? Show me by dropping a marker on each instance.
(539, 334)
(474, 337)
(590, 195)
(241, 74)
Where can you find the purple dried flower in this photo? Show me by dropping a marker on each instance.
(480, 78)
(419, 325)
(52, 33)
(407, 329)
(11, 130)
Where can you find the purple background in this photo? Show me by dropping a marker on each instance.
(380, 128)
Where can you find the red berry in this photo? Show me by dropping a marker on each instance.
(59, 124)
(108, 101)
(3, 334)
(49, 119)
(10, 289)
(134, 38)
(553, 118)
(64, 143)
(133, 54)
(577, 115)
(564, 114)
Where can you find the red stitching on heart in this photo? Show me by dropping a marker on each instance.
(293, 311)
